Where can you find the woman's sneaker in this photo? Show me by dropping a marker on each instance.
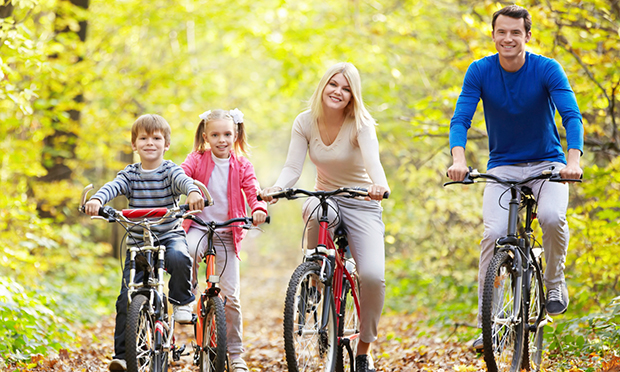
(362, 364)
(477, 345)
(182, 313)
(557, 300)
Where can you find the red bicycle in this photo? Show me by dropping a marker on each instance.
(322, 309)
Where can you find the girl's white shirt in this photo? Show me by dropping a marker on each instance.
(218, 188)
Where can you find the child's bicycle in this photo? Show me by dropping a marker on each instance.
(149, 333)
(322, 309)
(210, 325)
(513, 301)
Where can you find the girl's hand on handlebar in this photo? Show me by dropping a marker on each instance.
(195, 201)
(258, 217)
(267, 191)
(377, 192)
(92, 207)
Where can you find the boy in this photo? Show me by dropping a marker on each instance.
(152, 183)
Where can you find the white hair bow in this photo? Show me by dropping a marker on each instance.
(204, 115)
(237, 116)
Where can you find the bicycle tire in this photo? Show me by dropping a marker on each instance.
(308, 348)
(533, 335)
(140, 335)
(503, 343)
(348, 325)
(213, 349)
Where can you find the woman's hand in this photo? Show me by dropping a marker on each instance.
(258, 217)
(267, 191)
(376, 192)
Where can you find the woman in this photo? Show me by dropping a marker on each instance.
(339, 134)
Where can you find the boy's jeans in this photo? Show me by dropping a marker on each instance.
(178, 264)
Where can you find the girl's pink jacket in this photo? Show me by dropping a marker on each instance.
(241, 179)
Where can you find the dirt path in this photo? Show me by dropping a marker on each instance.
(264, 280)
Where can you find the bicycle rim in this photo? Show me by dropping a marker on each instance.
(213, 349)
(140, 336)
(502, 334)
(307, 346)
(348, 327)
(533, 348)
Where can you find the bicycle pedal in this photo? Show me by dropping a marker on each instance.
(194, 319)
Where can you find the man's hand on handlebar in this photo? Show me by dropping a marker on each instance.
(92, 207)
(195, 201)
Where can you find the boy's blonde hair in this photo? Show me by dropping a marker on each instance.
(241, 145)
(355, 109)
(150, 123)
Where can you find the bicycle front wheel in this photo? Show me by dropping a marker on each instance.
(140, 336)
(309, 345)
(534, 331)
(348, 326)
(502, 316)
(212, 356)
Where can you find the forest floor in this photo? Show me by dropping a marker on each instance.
(401, 346)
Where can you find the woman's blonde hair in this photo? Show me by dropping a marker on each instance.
(240, 145)
(355, 109)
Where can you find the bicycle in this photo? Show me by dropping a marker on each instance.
(149, 332)
(513, 301)
(210, 323)
(321, 309)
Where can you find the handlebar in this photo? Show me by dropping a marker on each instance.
(544, 175)
(112, 214)
(292, 193)
(247, 222)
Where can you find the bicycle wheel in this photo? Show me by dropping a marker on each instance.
(502, 334)
(309, 346)
(532, 353)
(348, 327)
(140, 336)
(213, 327)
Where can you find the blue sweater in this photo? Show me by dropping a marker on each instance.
(519, 110)
(159, 188)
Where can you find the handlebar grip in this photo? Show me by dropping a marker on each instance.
(185, 207)
(386, 195)
(268, 219)
(258, 197)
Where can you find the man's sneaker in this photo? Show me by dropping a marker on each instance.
(557, 300)
(118, 365)
(477, 345)
(362, 364)
(182, 313)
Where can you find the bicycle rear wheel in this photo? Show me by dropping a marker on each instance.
(212, 322)
(532, 353)
(140, 336)
(309, 346)
(502, 334)
(348, 327)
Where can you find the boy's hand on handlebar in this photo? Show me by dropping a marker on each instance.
(92, 207)
(258, 217)
(195, 201)
(267, 191)
(377, 192)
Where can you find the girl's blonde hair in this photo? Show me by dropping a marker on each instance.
(355, 109)
(240, 145)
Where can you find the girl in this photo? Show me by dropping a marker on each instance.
(216, 162)
(339, 134)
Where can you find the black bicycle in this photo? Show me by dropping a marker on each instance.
(149, 331)
(513, 300)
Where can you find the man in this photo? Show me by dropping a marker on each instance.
(520, 92)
